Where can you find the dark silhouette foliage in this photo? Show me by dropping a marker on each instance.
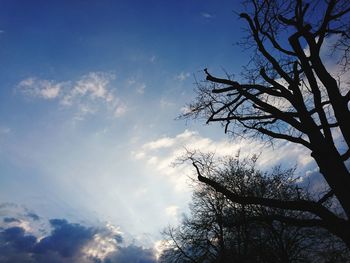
(219, 230)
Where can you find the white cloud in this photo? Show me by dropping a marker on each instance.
(104, 242)
(44, 89)
(138, 155)
(164, 103)
(22, 217)
(159, 247)
(93, 85)
(120, 110)
(182, 76)
(140, 192)
(4, 130)
(141, 88)
(207, 15)
(152, 59)
(83, 110)
(172, 211)
(153, 160)
(138, 86)
(131, 82)
(50, 92)
(88, 95)
(160, 143)
(162, 153)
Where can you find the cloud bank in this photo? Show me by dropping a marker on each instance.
(161, 154)
(24, 239)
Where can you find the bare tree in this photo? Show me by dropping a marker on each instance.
(290, 94)
(218, 230)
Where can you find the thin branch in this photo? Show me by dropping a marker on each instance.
(346, 155)
(243, 118)
(284, 219)
(321, 32)
(180, 249)
(340, 14)
(263, 50)
(274, 83)
(328, 126)
(268, 108)
(284, 137)
(324, 198)
(272, 39)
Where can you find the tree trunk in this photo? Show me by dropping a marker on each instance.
(335, 173)
(339, 103)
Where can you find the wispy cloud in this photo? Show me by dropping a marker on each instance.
(92, 86)
(159, 144)
(207, 15)
(163, 152)
(182, 76)
(152, 59)
(141, 88)
(44, 89)
(120, 109)
(4, 130)
(165, 103)
(88, 94)
(138, 86)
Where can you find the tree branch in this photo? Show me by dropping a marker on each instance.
(346, 155)
(263, 50)
(297, 205)
(324, 198)
(179, 247)
(284, 219)
(268, 108)
(275, 84)
(284, 137)
(347, 96)
(321, 32)
(242, 118)
(271, 37)
(294, 41)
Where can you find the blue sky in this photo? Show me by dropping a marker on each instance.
(89, 93)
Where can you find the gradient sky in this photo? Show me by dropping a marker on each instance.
(89, 93)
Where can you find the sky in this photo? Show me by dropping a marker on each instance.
(89, 96)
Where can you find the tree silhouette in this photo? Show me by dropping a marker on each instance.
(290, 94)
(218, 230)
